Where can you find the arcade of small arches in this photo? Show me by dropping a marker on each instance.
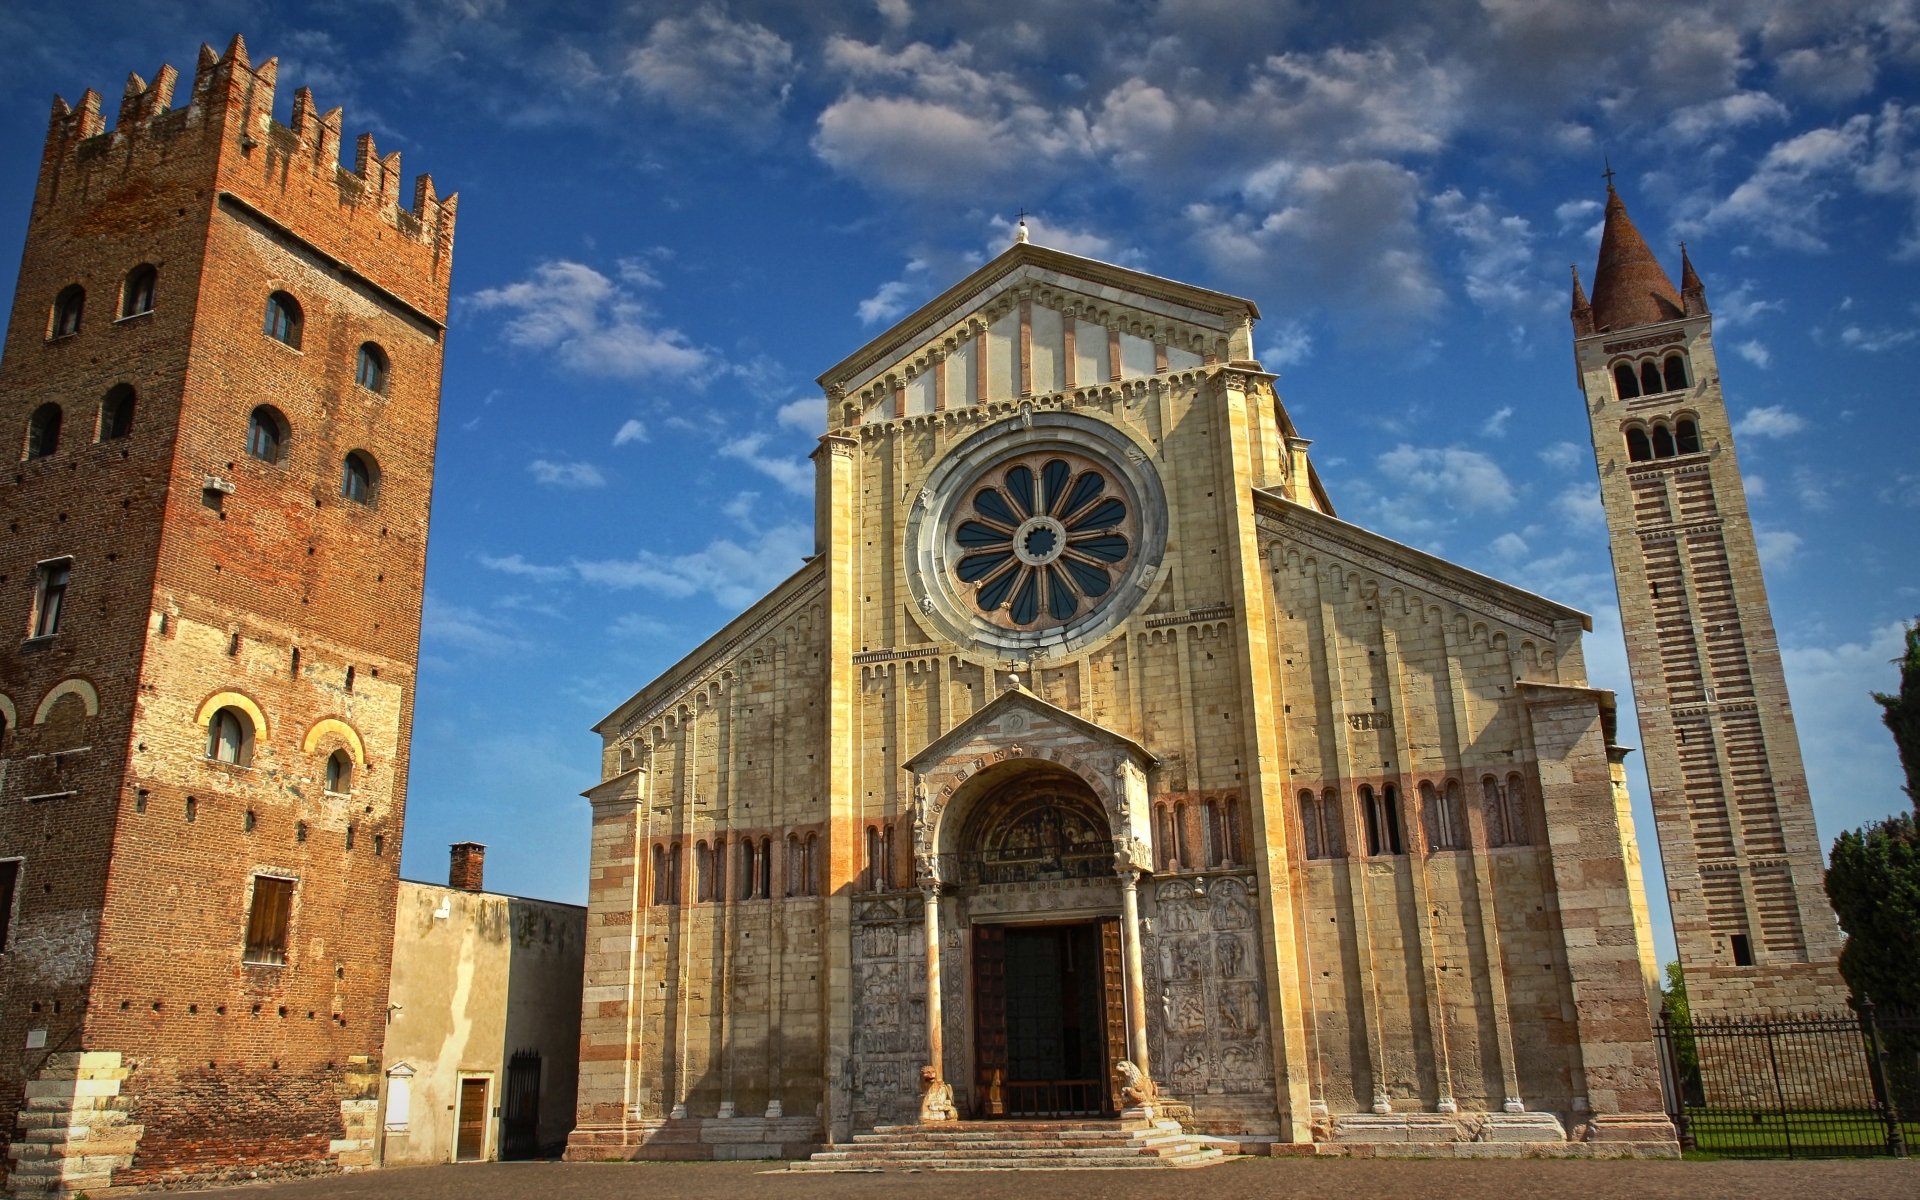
(1652, 375)
(742, 867)
(1441, 817)
(1661, 439)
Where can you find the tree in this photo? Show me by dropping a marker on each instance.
(1679, 1020)
(1902, 713)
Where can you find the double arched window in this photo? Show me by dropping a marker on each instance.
(43, 431)
(359, 477)
(136, 292)
(267, 434)
(1322, 832)
(1651, 376)
(64, 321)
(1662, 440)
(284, 322)
(1380, 813)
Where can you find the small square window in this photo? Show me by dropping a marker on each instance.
(1742, 950)
(267, 920)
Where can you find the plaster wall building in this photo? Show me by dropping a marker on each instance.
(483, 1037)
(1744, 866)
(1090, 733)
(221, 381)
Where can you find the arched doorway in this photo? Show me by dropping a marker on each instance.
(1032, 872)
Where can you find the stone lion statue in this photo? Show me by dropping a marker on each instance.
(1135, 1088)
(936, 1097)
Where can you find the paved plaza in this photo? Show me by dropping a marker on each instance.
(1253, 1179)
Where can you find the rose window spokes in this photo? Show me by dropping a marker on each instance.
(1042, 539)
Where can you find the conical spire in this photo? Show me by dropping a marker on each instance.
(1693, 293)
(1581, 312)
(1629, 287)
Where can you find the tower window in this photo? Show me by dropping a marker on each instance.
(1639, 449)
(230, 737)
(67, 307)
(49, 597)
(1662, 441)
(9, 888)
(339, 773)
(1676, 372)
(1742, 948)
(284, 321)
(43, 431)
(1650, 378)
(359, 477)
(267, 920)
(136, 294)
(116, 413)
(1686, 436)
(1624, 381)
(1382, 814)
(371, 370)
(267, 434)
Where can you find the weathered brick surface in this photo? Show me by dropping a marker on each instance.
(138, 850)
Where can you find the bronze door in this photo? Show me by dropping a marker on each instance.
(471, 1143)
(1113, 999)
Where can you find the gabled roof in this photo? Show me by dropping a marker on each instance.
(1020, 697)
(1106, 280)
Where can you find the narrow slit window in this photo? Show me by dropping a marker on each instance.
(9, 888)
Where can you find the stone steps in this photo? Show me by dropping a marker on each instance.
(1019, 1146)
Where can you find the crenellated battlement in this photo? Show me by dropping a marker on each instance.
(231, 109)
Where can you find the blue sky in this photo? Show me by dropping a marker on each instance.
(673, 217)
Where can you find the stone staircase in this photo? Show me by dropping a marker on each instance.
(1019, 1146)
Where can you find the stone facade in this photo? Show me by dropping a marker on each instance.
(1744, 864)
(205, 753)
(1088, 695)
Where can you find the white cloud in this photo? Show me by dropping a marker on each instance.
(574, 475)
(1700, 122)
(1289, 344)
(1778, 547)
(514, 564)
(1496, 425)
(1463, 479)
(1497, 261)
(1058, 235)
(1771, 420)
(794, 474)
(808, 414)
(734, 574)
(1902, 490)
(1576, 214)
(590, 323)
(1510, 546)
(1580, 504)
(1564, 456)
(1852, 768)
(632, 431)
(445, 625)
(1739, 306)
(1873, 341)
(897, 13)
(1755, 485)
(1754, 352)
(708, 65)
(1813, 489)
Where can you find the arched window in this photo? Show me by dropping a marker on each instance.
(659, 874)
(810, 865)
(766, 868)
(1332, 824)
(359, 477)
(747, 874)
(1168, 855)
(702, 871)
(43, 431)
(1519, 826)
(1639, 449)
(1441, 810)
(1494, 808)
(793, 865)
(67, 306)
(230, 737)
(267, 434)
(673, 873)
(116, 413)
(875, 882)
(1382, 813)
(136, 293)
(371, 369)
(1650, 378)
(1676, 372)
(284, 321)
(339, 773)
(1686, 436)
(1662, 441)
(1313, 838)
(719, 869)
(1624, 381)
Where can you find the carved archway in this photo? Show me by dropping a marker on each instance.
(1037, 822)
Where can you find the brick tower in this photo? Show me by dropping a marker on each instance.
(1743, 863)
(222, 373)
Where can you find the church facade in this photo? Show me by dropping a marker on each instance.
(1093, 763)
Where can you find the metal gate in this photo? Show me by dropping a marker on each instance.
(520, 1118)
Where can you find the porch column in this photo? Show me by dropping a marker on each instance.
(1136, 974)
(936, 1043)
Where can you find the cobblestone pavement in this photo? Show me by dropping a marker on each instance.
(1256, 1179)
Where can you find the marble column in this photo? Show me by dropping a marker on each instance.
(936, 1042)
(1136, 973)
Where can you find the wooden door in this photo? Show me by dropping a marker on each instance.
(1113, 996)
(471, 1143)
(989, 1020)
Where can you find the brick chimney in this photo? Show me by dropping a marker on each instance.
(469, 867)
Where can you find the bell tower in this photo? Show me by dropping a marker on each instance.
(1744, 869)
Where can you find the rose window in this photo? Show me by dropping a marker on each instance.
(1041, 538)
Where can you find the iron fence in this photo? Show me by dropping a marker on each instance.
(1809, 1086)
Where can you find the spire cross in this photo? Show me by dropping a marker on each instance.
(1608, 173)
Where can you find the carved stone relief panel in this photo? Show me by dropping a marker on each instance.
(1206, 1016)
(889, 1008)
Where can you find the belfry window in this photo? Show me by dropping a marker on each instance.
(1675, 372)
(1381, 811)
(136, 294)
(1650, 378)
(1662, 441)
(1686, 436)
(284, 322)
(1625, 382)
(1639, 447)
